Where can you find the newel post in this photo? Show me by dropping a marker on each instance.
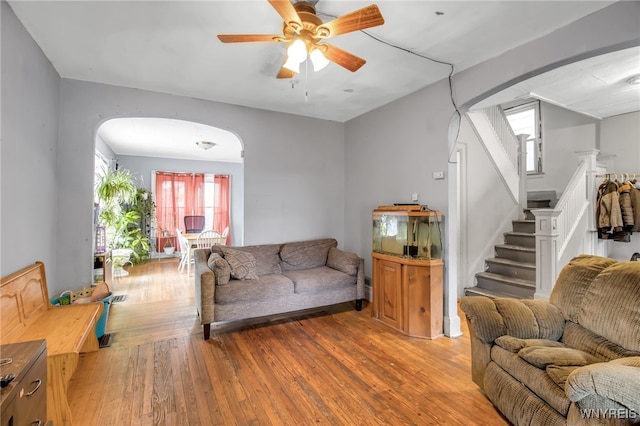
(546, 251)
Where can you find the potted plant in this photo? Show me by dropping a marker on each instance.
(124, 210)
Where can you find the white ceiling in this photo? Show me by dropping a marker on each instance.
(171, 47)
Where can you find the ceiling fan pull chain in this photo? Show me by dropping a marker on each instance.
(306, 81)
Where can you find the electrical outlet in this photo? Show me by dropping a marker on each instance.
(438, 175)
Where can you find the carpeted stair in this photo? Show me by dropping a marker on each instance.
(512, 272)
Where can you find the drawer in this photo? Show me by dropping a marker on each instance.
(31, 398)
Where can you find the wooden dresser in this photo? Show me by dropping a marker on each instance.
(24, 400)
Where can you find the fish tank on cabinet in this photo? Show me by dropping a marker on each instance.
(408, 232)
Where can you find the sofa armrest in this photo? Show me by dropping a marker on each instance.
(489, 319)
(522, 318)
(482, 314)
(613, 385)
(350, 264)
(205, 286)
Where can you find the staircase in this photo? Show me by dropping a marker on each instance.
(512, 272)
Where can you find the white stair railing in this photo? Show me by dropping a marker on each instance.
(506, 151)
(556, 228)
(504, 132)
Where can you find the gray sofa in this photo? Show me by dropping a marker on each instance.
(233, 283)
(574, 360)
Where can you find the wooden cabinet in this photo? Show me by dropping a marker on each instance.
(407, 294)
(102, 268)
(24, 401)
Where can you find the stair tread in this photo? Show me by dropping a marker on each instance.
(511, 262)
(505, 279)
(489, 293)
(524, 221)
(514, 247)
(520, 234)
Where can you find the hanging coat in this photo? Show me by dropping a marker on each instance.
(634, 196)
(609, 214)
(625, 206)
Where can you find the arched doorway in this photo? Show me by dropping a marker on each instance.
(145, 146)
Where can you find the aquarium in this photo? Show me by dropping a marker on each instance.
(408, 233)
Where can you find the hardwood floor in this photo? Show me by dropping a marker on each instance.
(335, 367)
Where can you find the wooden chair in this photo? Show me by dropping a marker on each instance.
(206, 239)
(185, 252)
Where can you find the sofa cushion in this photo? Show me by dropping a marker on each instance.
(541, 357)
(578, 337)
(267, 258)
(615, 380)
(513, 344)
(343, 261)
(220, 268)
(242, 264)
(613, 298)
(306, 254)
(532, 377)
(267, 287)
(559, 374)
(573, 282)
(319, 279)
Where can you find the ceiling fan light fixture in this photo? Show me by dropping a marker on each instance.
(206, 144)
(297, 51)
(318, 59)
(292, 65)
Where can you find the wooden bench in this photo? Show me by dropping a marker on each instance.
(27, 314)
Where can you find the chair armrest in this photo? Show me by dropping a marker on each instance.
(617, 381)
(205, 286)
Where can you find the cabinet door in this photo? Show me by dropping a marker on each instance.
(423, 301)
(389, 281)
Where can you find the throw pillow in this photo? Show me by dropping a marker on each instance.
(343, 261)
(220, 268)
(242, 264)
(542, 357)
(513, 344)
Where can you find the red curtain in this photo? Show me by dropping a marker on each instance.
(221, 205)
(178, 195)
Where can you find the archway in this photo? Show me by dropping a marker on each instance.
(455, 234)
(145, 145)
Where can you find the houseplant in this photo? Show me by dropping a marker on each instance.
(124, 209)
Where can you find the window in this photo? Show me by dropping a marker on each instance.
(525, 119)
(180, 194)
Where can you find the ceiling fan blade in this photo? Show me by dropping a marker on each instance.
(243, 38)
(342, 57)
(360, 19)
(285, 73)
(286, 10)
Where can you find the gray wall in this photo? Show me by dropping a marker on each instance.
(304, 178)
(294, 166)
(620, 137)
(143, 166)
(28, 175)
(383, 166)
(564, 133)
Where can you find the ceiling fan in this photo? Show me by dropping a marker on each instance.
(305, 33)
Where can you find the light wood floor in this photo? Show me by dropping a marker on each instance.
(336, 367)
